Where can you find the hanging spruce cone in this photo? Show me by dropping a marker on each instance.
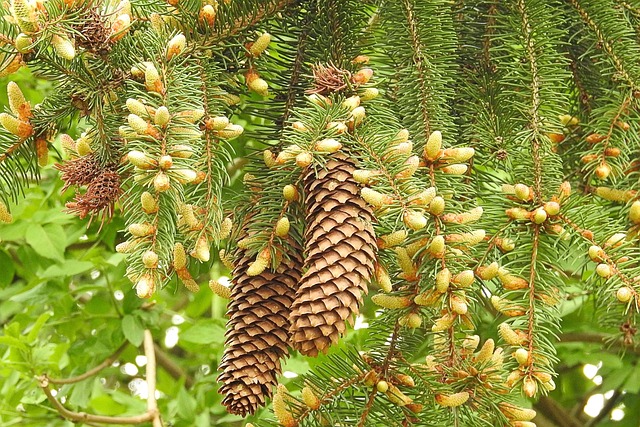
(257, 332)
(340, 250)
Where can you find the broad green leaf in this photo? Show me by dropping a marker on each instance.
(132, 329)
(12, 342)
(70, 267)
(35, 330)
(47, 241)
(204, 332)
(105, 405)
(7, 269)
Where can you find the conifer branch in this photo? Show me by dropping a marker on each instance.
(607, 45)
(419, 59)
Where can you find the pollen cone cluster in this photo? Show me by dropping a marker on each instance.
(340, 253)
(257, 332)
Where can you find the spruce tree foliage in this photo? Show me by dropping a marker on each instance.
(471, 166)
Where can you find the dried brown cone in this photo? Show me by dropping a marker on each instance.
(257, 332)
(101, 195)
(329, 79)
(79, 171)
(341, 250)
(93, 32)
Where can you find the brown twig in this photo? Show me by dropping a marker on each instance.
(151, 415)
(91, 372)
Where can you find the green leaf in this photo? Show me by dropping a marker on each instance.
(12, 342)
(35, 330)
(70, 267)
(47, 241)
(186, 405)
(81, 393)
(105, 405)
(632, 385)
(204, 332)
(7, 270)
(132, 329)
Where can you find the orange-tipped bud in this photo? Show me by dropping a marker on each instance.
(452, 400)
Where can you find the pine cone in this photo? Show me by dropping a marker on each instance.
(257, 332)
(340, 254)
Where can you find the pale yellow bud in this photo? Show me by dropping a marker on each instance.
(161, 182)
(443, 279)
(530, 387)
(162, 116)
(219, 289)
(282, 227)
(523, 192)
(145, 286)
(280, 408)
(375, 198)
(352, 102)
(456, 169)
(522, 356)
(424, 197)
(443, 323)
(516, 413)
(401, 136)
(382, 278)
(17, 103)
(414, 220)
(328, 145)
(624, 294)
(17, 127)
(437, 205)
(175, 46)
(452, 400)
(393, 239)
(485, 353)
(391, 301)
(511, 336)
(458, 304)
(369, 94)
(150, 259)
(304, 159)
(5, 215)
(217, 123)
(411, 320)
(539, 216)
(310, 399)
(290, 193)
(464, 279)
(604, 270)
(179, 257)
(230, 131)
(201, 250)
(459, 155)
(382, 386)
(437, 246)
(260, 45)
(433, 146)
(63, 47)
(488, 272)
(141, 230)
(259, 86)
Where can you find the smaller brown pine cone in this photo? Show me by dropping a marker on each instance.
(257, 332)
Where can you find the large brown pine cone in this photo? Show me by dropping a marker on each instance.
(340, 254)
(257, 332)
